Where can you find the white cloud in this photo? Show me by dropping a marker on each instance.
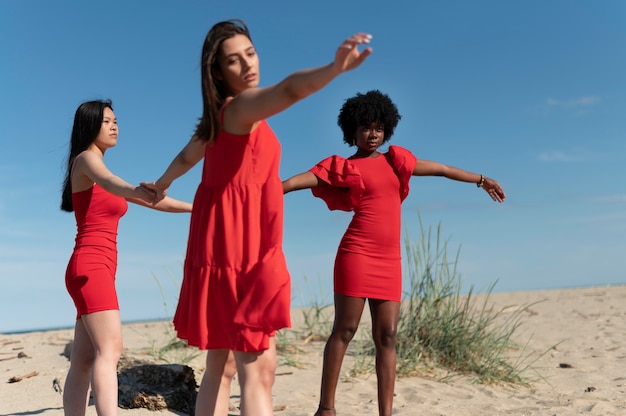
(574, 155)
(574, 102)
(578, 106)
(615, 198)
(559, 156)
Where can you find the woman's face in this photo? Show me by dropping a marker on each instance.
(370, 137)
(238, 64)
(107, 137)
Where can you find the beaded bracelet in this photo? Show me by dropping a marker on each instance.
(481, 182)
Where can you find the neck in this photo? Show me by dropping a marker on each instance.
(360, 153)
(96, 149)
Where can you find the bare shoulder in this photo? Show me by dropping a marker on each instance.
(83, 165)
(87, 156)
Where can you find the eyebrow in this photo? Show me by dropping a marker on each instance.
(237, 53)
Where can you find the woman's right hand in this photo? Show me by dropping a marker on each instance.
(348, 55)
(145, 193)
(157, 193)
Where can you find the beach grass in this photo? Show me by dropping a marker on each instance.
(439, 325)
(169, 348)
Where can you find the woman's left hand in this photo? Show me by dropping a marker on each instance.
(348, 55)
(159, 194)
(494, 189)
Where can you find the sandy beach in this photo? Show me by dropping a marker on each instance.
(579, 336)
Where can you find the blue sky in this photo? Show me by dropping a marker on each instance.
(531, 93)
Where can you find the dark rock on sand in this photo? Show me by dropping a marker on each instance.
(156, 386)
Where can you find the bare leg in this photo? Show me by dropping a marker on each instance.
(384, 330)
(256, 379)
(76, 390)
(348, 311)
(104, 331)
(214, 393)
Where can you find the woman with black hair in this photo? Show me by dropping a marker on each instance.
(368, 261)
(98, 199)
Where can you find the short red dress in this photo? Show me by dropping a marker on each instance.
(236, 288)
(90, 273)
(368, 262)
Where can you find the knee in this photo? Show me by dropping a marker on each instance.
(230, 368)
(82, 361)
(262, 377)
(111, 352)
(82, 356)
(268, 376)
(386, 338)
(344, 333)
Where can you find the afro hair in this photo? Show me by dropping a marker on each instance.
(364, 109)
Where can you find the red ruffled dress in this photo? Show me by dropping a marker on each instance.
(368, 262)
(236, 289)
(90, 273)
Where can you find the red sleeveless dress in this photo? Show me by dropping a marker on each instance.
(236, 289)
(368, 262)
(90, 273)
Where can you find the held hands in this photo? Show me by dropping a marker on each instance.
(493, 188)
(157, 193)
(145, 193)
(348, 56)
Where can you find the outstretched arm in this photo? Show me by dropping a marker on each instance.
(91, 167)
(431, 168)
(166, 204)
(303, 180)
(256, 104)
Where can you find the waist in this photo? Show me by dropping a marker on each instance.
(103, 242)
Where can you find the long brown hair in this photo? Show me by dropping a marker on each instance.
(214, 91)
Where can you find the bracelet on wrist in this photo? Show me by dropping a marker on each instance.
(481, 182)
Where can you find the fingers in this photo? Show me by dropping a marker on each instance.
(353, 41)
(348, 55)
(497, 195)
(494, 190)
(366, 52)
(153, 191)
(146, 194)
(149, 185)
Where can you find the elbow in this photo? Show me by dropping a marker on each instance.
(296, 91)
(294, 94)
(185, 158)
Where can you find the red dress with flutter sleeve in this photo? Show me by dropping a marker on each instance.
(368, 262)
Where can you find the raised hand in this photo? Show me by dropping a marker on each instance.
(348, 55)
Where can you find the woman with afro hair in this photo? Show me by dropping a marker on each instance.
(368, 261)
